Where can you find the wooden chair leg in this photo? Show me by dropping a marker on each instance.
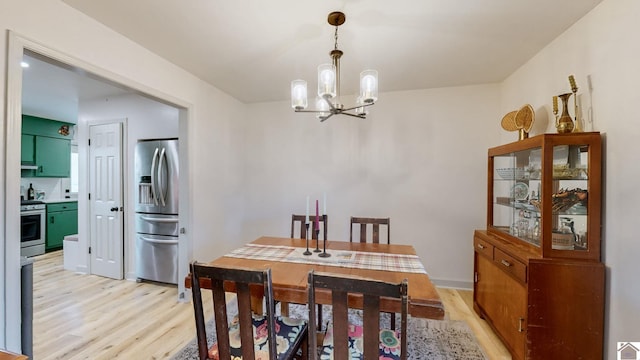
(284, 308)
(305, 346)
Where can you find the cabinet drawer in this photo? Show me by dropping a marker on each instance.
(483, 247)
(62, 206)
(511, 265)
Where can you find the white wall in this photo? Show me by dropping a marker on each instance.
(603, 46)
(212, 129)
(419, 158)
(145, 119)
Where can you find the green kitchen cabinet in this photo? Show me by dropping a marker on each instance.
(62, 220)
(53, 157)
(45, 150)
(28, 151)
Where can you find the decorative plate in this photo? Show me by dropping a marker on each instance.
(520, 191)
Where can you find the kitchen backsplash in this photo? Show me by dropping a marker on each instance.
(53, 188)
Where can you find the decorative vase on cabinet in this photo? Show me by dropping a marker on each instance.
(538, 278)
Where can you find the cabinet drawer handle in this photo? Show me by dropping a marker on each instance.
(520, 321)
(505, 263)
(480, 246)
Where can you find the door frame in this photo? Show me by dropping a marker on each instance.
(10, 298)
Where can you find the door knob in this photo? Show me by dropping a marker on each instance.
(114, 209)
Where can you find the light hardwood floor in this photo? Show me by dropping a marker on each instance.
(89, 317)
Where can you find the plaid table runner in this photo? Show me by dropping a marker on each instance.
(342, 258)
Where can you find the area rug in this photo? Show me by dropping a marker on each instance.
(427, 339)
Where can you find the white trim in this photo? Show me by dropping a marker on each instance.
(130, 276)
(10, 309)
(81, 269)
(185, 250)
(10, 252)
(453, 284)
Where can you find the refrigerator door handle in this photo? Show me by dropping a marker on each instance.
(159, 219)
(160, 242)
(153, 179)
(161, 188)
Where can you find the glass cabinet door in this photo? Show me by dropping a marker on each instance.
(519, 193)
(516, 192)
(569, 197)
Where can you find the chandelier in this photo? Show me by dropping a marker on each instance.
(328, 101)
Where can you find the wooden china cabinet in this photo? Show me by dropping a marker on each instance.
(538, 279)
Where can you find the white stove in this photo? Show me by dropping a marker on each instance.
(33, 227)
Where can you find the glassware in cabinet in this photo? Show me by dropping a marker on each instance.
(544, 192)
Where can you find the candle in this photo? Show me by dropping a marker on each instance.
(324, 203)
(307, 220)
(555, 104)
(317, 224)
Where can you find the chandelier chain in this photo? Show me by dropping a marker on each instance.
(336, 39)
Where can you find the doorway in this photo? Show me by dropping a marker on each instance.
(18, 46)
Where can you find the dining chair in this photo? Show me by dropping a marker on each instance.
(298, 221)
(272, 337)
(375, 223)
(345, 340)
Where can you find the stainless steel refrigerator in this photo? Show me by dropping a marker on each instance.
(156, 174)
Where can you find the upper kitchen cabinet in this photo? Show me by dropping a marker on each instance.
(46, 147)
(28, 153)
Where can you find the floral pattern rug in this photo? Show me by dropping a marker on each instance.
(428, 339)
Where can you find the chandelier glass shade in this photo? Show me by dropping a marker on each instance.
(328, 100)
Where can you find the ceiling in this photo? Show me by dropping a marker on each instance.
(252, 49)
(53, 90)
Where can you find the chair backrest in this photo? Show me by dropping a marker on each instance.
(343, 288)
(229, 279)
(298, 221)
(375, 224)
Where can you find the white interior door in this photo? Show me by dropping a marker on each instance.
(106, 200)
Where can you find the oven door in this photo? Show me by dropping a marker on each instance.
(32, 225)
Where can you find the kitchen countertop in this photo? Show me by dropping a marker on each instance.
(51, 201)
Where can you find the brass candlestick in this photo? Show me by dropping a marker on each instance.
(306, 237)
(564, 124)
(574, 89)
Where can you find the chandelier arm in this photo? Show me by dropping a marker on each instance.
(358, 106)
(311, 111)
(361, 116)
(323, 118)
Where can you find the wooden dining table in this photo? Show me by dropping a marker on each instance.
(289, 270)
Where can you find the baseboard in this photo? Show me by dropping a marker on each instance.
(82, 269)
(453, 284)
